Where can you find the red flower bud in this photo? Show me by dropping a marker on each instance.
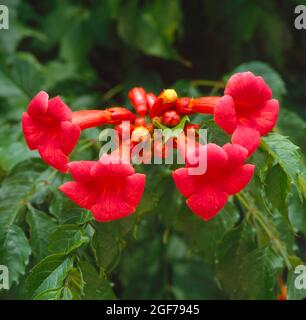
(164, 102)
(192, 126)
(182, 106)
(138, 99)
(151, 98)
(204, 104)
(121, 126)
(119, 114)
(140, 134)
(171, 118)
(90, 118)
(140, 122)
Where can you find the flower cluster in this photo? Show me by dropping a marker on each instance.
(111, 189)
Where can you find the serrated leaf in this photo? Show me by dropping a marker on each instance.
(67, 238)
(204, 236)
(13, 154)
(231, 251)
(258, 274)
(97, 287)
(106, 247)
(47, 278)
(285, 153)
(67, 211)
(277, 187)
(14, 251)
(74, 286)
(17, 189)
(41, 226)
(297, 212)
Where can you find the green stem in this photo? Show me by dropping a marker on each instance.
(261, 219)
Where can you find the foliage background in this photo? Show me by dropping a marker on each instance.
(91, 53)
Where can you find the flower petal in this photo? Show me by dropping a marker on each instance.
(134, 187)
(184, 182)
(110, 165)
(236, 155)
(266, 116)
(111, 208)
(81, 195)
(237, 179)
(51, 153)
(246, 137)
(207, 202)
(225, 114)
(247, 89)
(70, 134)
(58, 110)
(216, 157)
(33, 134)
(38, 105)
(80, 170)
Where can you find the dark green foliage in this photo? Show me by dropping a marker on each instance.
(91, 53)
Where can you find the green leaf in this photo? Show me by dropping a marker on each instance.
(285, 153)
(17, 189)
(14, 251)
(13, 154)
(288, 122)
(41, 226)
(147, 30)
(106, 247)
(23, 78)
(67, 238)
(202, 236)
(74, 286)
(258, 274)
(67, 211)
(277, 187)
(231, 251)
(297, 211)
(96, 287)
(47, 278)
(273, 79)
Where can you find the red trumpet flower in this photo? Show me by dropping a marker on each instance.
(247, 110)
(226, 175)
(53, 129)
(109, 188)
(48, 127)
